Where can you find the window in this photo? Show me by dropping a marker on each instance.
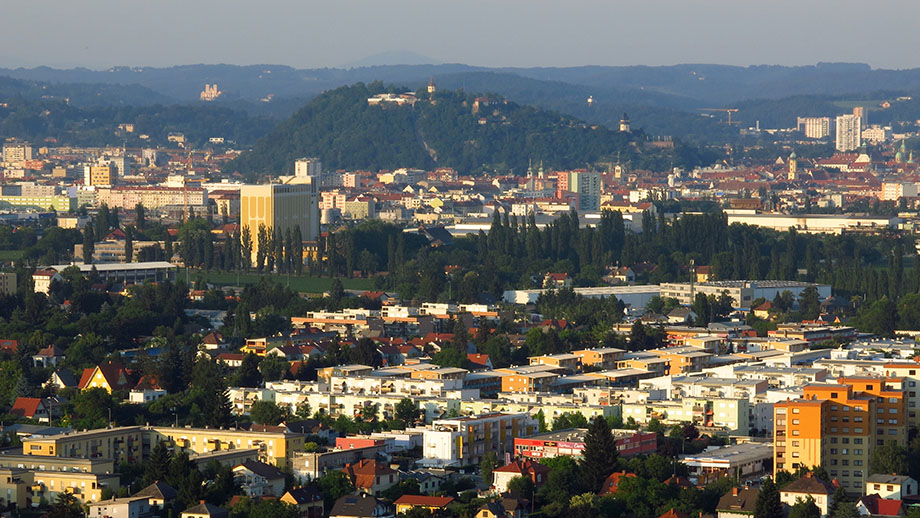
(795, 432)
(795, 421)
(796, 411)
(795, 444)
(833, 395)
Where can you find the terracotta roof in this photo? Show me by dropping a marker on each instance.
(526, 466)
(612, 483)
(50, 351)
(25, 406)
(674, 513)
(363, 473)
(878, 506)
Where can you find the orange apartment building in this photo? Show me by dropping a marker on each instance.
(837, 426)
(602, 357)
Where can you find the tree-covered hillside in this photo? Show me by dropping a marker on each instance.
(346, 132)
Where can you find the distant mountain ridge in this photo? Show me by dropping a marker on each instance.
(703, 83)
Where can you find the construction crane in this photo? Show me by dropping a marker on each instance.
(729, 111)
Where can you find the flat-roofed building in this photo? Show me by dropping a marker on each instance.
(279, 208)
(741, 462)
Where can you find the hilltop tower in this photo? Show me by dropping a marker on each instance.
(431, 87)
(624, 123)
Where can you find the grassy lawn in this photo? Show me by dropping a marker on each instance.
(302, 283)
(10, 255)
(870, 103)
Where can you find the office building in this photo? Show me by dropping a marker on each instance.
(463, 441)
(99, 175)
(279, 208)
(814, 127)
(849, 132)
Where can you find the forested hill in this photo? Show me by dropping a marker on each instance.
(346, 132)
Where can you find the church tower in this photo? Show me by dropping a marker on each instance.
(793, 165)
(431, 88)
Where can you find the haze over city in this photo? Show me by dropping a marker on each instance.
(478, 32)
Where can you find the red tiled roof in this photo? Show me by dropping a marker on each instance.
(525, 466)
(25, 406)
(674, 513)
(612, 483)
(363, 474)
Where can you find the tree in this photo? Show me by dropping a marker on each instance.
(488, 463)
(157, 466)
(246, 248)
(336, 292)
(889, 459)
(805, 509)
(334, 485)
(89, 243)
(140, 216)
(521, 485)
(365, 353)
(66, 506)
(248, 374)
(768, 504)
(810, 303)
(406, 411)
(267, 412)
(273, 367)
(129, 245)
(600, 455)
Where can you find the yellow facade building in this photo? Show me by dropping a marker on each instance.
(279, 208)
(133, 443)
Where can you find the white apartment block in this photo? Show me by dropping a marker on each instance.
(814, 127)
(849, 132)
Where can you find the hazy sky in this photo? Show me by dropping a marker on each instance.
(305, 33)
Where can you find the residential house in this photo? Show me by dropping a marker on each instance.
(895, 487)
(39, 409)
(557, 280)
(9, 346)
(612, 483)
(48, 357)
(259, 479)
(214, 341)
(147, 389)
(875, 506)
(480, 361)
(62, 379)
(429, 503)
(737, 503)
(111, 376)
(520, 468)
(205, 510)
(370, 476)
(157, 494)
(809, 486)
(361, 505)
(130, 507)
(307, 499)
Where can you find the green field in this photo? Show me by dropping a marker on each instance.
(871, 104)
(302, 283)
(10, 255)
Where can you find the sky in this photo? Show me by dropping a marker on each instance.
(99, 34)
